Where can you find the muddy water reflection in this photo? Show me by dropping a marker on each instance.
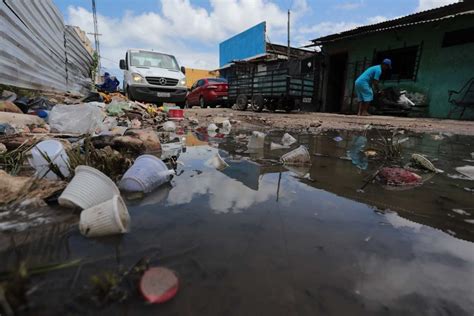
(273, 241)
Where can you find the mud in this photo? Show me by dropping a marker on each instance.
(311, 122)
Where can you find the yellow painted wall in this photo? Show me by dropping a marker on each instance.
(193, 75)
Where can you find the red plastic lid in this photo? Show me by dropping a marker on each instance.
(159, 285)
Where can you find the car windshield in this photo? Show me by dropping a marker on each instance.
(216, 80)
(150, 59)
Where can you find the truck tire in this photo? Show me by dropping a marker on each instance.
(242, 102)
(202, 103)
(258, 103)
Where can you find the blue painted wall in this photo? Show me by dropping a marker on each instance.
(247, 44)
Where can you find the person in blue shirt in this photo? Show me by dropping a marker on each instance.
(110, 83)
(367, 82)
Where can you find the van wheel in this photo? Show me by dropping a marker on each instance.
(202, 103)
(128, 95)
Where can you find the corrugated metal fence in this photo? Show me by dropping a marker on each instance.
(38, 51)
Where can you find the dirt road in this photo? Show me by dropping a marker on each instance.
(312, 122)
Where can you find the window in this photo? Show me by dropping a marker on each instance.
(404, 63)
(458, 37)
(200, 83)
(150, 59)
(216, 80)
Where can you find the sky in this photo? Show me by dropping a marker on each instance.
(192, 29)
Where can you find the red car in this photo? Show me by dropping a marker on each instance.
(207, 91)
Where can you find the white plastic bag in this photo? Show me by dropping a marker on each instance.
(76, 118)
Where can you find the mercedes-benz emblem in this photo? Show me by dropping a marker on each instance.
(162, 81)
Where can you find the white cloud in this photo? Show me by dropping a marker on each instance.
(349, 5)
(430, 4)
(326, 28)
(376, 19)
(188, 31)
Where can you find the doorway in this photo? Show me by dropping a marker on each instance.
(336, 82)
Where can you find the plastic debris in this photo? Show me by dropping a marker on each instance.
(89, 187)
(288, 140)
(299, 156)
(3, 148)
(217, 162)
(159, 285)
(107, 218)
(425, 163)
(356, 152)
(116, 108)
(398, 177)
(212, 127)
(460, 211)
(146, 174)
(257, 140)
(467, 171)
(276, 146)
(77, 118)
(226, 125)
(169, 126)
(338, 138)
(54, 151)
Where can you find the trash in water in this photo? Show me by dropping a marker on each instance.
(212, 127)
(370, 153)
(288, 140)
(275, 146)
(257, 140)
(89, 187)
(107, 218)
(217, 162)
(171, 150)
(146, 174)
(425, 163)
(356, 152)
(460, 211)
(398, 177)
(159, 285)
(338, 138)
(169, 126)
(468, 171)
(299, 156)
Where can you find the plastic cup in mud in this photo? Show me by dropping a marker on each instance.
(108, 218)
(257, 140)
(54, 150)
(299, 156)
(88, 187)
(212, 127)
(146, 174)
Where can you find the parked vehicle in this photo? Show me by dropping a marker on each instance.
(153, 77)
(208, 91)
(282, 87)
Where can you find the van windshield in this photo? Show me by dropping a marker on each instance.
(150, 59)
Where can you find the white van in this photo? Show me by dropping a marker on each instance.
(153, 77)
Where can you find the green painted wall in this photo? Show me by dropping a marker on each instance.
(441, 69)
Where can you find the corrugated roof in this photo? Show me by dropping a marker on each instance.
(441, 13)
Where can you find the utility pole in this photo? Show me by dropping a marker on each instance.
(289, 49)
(96, 38)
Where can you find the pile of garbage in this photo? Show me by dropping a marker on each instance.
(83, 152)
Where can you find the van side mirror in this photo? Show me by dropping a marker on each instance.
(183, 70)
(123, 66)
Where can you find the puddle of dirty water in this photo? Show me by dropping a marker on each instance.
(258, 239)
